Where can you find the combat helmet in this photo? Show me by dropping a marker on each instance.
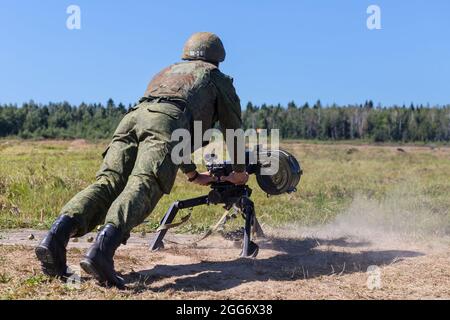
(204, 46)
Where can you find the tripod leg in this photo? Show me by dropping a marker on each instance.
(257, 230)
(221, 222)
(249, 248)
(157, 243)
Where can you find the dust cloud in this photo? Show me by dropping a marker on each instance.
(403, 217)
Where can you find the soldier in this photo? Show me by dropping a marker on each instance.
(137, 169)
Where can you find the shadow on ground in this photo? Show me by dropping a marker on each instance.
(294, 259)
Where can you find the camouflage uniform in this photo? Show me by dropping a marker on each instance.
(137, 169)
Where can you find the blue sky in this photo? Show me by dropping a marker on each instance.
(277, 51)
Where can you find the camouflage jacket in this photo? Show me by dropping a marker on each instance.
(209, 95)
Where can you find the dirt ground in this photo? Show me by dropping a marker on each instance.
(298, 265)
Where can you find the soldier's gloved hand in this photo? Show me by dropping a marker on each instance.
(202, 179)
(236, 178)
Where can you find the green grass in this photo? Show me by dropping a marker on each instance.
(38, 178)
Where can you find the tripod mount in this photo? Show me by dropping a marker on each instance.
(230, 196)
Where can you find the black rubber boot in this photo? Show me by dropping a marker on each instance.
(98, 261)
(51, 251)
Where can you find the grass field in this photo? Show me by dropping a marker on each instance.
(357, 206)
(411, 184)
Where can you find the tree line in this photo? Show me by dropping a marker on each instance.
(364, 121)
(61, 120)
(411, 123)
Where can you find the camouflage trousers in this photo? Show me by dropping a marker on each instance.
(136, 171)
